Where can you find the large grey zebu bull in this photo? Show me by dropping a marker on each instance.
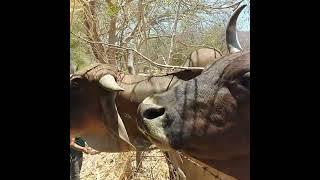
(207, 117)
(103, 105)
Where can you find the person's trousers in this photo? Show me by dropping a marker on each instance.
(75, 167)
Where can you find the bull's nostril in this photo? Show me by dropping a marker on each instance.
(153, 113)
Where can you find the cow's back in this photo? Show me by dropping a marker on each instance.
(202, 57)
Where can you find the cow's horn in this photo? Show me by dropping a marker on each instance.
(231, 34)
(108, 82)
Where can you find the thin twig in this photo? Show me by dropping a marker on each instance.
(131, 175)
(174, 31)
(164, 60)
(154, 156)
(235, 4)
(154, 37)
(74, 4)
(144, 57)
(199, 164)
(226, 7)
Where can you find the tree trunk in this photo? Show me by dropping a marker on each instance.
(111, 52)
(174, 31)
(91, 31)
(130, 63)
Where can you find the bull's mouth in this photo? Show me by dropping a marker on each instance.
(154, 131)
(149, 136)
(151, 122)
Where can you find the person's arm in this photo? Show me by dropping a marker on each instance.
(75, 146)
(91, 151)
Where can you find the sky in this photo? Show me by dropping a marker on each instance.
(243, 23)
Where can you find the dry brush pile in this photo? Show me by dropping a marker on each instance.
(122, 166)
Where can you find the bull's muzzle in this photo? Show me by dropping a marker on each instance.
(150, 111)
(152, 121)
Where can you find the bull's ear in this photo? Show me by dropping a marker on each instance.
(109, 83)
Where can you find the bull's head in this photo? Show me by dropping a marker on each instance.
(93, 113)
(208, 116)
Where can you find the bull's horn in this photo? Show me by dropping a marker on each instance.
(231, 34)
(108, 82)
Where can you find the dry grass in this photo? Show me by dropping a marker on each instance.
(122, 166)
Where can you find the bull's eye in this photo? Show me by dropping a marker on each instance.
(75, 86)
(245, 80)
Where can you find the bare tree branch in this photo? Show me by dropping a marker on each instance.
(133, 33)
(205, 8)
(131, 69)
(235, 5)
(72, 13)
(112, 33)
(154, 37)
(91, 30)
(144, 28)
(174, 31)
(144, 57)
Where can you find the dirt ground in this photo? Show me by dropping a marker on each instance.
(122, 166)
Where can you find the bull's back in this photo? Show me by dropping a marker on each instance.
(202, 57)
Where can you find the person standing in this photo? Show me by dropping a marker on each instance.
(78, 146)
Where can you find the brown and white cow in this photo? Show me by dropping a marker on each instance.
(104, 111)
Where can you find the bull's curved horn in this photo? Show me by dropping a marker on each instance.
(231, 34)
(108, 82)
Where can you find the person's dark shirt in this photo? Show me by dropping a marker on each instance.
(81, 142)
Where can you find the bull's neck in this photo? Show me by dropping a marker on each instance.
(138, 87)
(238, 168)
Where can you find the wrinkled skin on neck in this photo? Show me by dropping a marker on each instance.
(137, 88)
